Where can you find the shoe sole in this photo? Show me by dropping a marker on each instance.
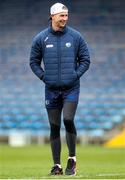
(57, 174)
(70, 174)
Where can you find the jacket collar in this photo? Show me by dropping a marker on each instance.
(58, 32)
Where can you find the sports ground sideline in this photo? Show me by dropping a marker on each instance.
(34, 162)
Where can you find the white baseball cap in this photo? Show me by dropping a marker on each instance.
(58, 8)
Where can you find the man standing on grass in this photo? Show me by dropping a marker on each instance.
(66, 58)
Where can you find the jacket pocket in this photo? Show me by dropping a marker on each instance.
(75, 75)
(73, 78)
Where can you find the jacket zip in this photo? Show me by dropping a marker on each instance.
(59, 59)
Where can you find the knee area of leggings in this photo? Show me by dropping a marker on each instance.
(54, 132)
(54, 128)
(69, 125)
(68, 121)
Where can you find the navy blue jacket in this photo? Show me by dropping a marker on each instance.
(65, 57)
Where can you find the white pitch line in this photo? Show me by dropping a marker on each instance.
(111, 174)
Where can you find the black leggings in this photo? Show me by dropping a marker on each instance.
(54, 115)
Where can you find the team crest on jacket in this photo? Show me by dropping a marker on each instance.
(68, 44)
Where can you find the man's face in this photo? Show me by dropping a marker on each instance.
(60, 19)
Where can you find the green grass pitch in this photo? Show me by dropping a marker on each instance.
(35, 162)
